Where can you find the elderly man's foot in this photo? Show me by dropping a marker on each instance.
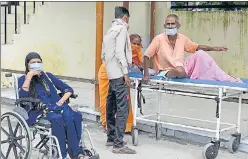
(111, 143)
(123, 150)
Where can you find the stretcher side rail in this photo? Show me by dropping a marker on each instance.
(229, 96)
(153, 81)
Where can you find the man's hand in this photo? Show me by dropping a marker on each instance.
(146, 79)
(220, 49)
(127, 80)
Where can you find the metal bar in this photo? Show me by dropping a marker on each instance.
(217, 135)
(228, 128)
(42, 2)
(135, 102)
(15, 18)
(231, 95)
(159, 103)
(180, 93)
(178, 125)
(210, 6)
(146, 116)
(42, 139)
(9, 7)
(15, 77)
(239, 112)
(99, 39)
(195, 85)
(50, 143)
(209, 121)
(34, 8)
(91, 141)
(25, 13)
(5, 24)
(174, 116)
(58, 147)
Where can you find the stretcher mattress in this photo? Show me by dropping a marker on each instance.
(195, 81)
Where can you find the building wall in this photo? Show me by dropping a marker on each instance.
(229, 29)
(64, 33)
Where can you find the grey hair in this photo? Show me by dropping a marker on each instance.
(173, 16)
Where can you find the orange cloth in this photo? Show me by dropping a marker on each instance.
(136, 54)
(103, 91)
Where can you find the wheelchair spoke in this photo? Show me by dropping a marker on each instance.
(19, 146)
(4, 141)
(16, 128)
(5, 131)
(15, 151)
(20, 137)
(10, 126)
(9, 149)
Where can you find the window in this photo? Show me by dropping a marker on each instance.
(210, 6)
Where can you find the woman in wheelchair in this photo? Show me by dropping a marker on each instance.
(67, 124)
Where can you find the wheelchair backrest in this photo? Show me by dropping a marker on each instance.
(15, 82)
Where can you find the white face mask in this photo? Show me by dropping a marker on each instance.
(171, 32)
(36, 66)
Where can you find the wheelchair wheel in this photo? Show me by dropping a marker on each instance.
(15, 136)
(88, 153)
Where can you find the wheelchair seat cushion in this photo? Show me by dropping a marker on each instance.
(44, 123)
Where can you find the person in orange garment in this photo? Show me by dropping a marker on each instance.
(104, 83)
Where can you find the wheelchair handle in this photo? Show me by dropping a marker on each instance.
(8, 75)
(74, 96)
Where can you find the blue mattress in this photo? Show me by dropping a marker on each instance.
(195, 81)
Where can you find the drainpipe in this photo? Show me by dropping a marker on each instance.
(99, 38)
(152, 21)
(152, 26)
(126, 4)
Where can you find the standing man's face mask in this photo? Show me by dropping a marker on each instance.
(36, 66)
(171, 32)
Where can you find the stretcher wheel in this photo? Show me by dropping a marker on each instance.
(233, 144)
(135, 134)
(210, 151)
(15, 136)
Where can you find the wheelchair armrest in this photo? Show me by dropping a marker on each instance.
(27, 99)
(74, 96)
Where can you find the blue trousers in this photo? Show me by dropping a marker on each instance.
(67, 127)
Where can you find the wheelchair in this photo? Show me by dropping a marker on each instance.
(20, 137)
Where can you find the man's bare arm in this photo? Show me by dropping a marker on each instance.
(209, 48)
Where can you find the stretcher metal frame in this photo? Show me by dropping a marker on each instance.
(210, 150)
